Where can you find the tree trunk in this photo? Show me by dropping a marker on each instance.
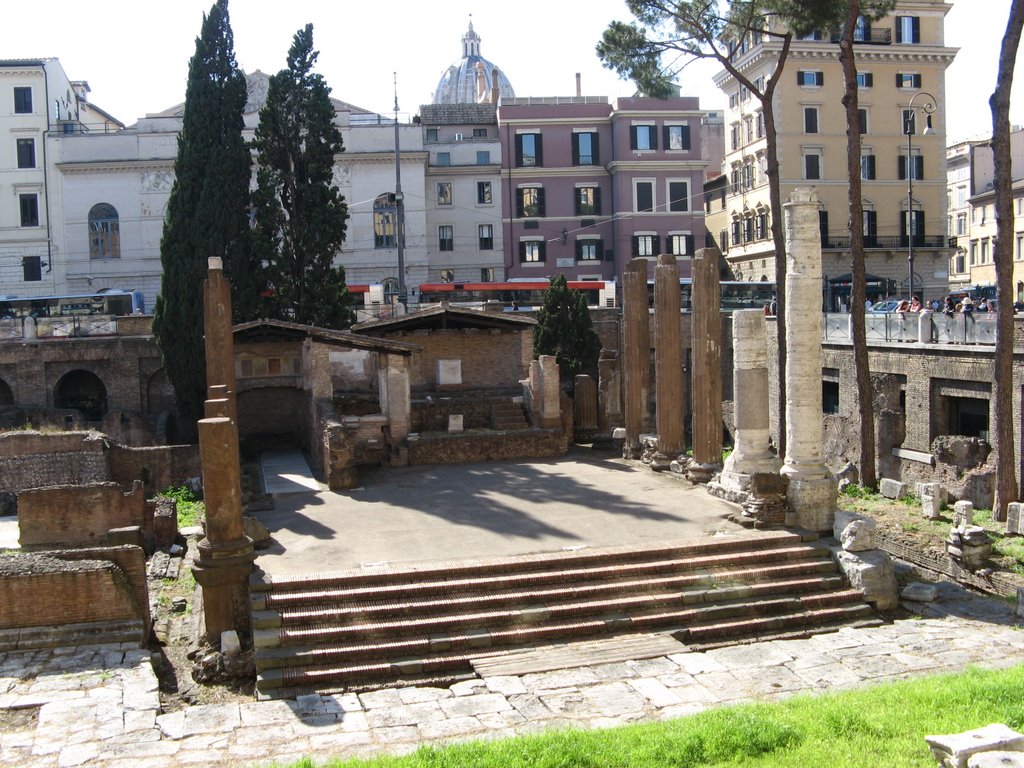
(1002, 381)
(778, 235)
(865, 406)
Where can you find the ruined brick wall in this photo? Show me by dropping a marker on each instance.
(497, 446)
(490, 358)
(46, 590)
(273, 411)
(36, 460)
(72, 515)
(158, 467)
(131, 561)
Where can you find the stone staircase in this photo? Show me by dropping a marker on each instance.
(507, 416)
(367, 628)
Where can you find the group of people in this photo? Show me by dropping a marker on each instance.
(950, 306)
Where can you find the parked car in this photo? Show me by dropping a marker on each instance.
(882, 307)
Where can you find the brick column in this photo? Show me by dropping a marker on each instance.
(812, 489)
(668, 372)
(636, 347)
(707, 367)
(751, 452)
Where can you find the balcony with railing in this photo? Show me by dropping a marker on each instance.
(867, 36)
(887, 242)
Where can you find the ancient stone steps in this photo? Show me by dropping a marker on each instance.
(508, 416)
(358, 628)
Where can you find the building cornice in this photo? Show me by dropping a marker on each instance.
(124, 166)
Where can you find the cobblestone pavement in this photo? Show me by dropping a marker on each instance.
(99, 705)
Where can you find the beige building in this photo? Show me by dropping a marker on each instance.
(901, 60)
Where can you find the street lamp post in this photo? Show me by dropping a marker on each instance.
(399, 210)
(926, 108)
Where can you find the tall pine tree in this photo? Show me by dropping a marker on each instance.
(300, 215)
(206, 213)
(565, 331)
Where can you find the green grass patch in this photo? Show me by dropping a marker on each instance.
(191, 509)
(879, 725)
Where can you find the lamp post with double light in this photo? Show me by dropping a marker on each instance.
(926, 108)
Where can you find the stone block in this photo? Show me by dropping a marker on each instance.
(954, 750)
(858, 536)
(455, 422)
(997, 759)
(892, 489)
(919, 592)
(230, 645)
(931, 507)
(130, 534)
(449, 373)
(255, 530)
(1014, 518)
(872, 573)
(963, 512)
(843, 519)
(932, 489)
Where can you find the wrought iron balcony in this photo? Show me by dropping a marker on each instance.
(884, 242)
(869, 37)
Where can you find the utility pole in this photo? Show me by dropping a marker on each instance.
(399, 210)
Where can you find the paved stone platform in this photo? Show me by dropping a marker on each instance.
(99, 706)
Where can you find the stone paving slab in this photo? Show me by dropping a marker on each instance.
(97, 706)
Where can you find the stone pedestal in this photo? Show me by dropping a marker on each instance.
(751, 453)
(706, 377)
(812, 489)
(668, 351)
(635, 354)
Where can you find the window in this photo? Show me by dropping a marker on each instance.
(748, 124)
(104, 232)
(447, 275)
(589, 250)
(678, 196)
(444, 158)
(736, 227)
(734, 136)
(643, 137)
(867, 167)
(29, 210)
(588, 201)
(812, 165)
(808, 77)
(862, 30)
(810, 119)
(531, 251)
(643, 196)
(908, 80)
(384, 217)
(479, 133)
(759, 124)
(485, 235)
(444, 193)
(748, 229)
(431, 134)
(916, 167)
(584, 149)
(31, 269)
(916, 227)
(483, 157)
(530, 202)
(486, 274)
(961, 224)
(680, 245)
(446, 237)
(483, 193)
(984, 251)
(645, 245)
(870, 228)
(22, 100)
(908, 29)
(865, 80)
(529, 150)
(26, 153)
(974, 252)
(677, 137)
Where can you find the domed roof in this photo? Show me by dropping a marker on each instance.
(470, 79)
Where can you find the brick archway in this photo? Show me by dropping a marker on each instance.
(83, 391)
(6, 394)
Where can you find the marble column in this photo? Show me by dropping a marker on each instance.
(636, 358)
(751, 451)
(668, 364)
(812, 489)
(707, 367)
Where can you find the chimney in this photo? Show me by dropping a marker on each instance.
(579, 89)
(495, 90)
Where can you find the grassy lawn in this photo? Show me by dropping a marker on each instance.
(881, 725)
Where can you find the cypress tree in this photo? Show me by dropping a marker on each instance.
(300, 215)
(565, 331)
(206, 212)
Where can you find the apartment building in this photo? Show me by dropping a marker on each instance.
(589, 185)
(901, 61)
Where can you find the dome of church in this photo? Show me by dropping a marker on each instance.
(470, 79)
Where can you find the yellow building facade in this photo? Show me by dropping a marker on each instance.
(901, 62)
